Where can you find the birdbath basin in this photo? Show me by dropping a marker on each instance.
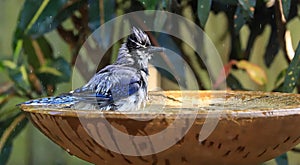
(238, 127)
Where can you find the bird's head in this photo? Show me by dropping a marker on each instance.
(137, 49)
(139, 41)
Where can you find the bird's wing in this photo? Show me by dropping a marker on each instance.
(110, 84)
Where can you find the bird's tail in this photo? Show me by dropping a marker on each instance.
(62, 100)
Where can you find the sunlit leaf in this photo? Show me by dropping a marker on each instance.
(8, 64)
(256, 73)
(292, 73)
(49, 70)
(203, 9)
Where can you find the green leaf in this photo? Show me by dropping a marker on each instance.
(244, 11)
(149, 4)
(292, 74)
(2, 67)
(37, 51)
(49, 70)
(45, 47)
(286, 5)
(9, 129)
(3, 98)
(29, 9)
(54, 72)
(280, 77)
(110, 8)
(234, 83)
(282, 159)
(272, 47)
(239, 19)
(203, 9)
(32, 57)
(20, 77)
(8, 64)
(44, 21)
(29, 14)
(4, 155)
(9, 109)
(248, 6)
(230, 2)
(94, 16)
(53, 15)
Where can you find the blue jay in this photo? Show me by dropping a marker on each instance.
(121, 86)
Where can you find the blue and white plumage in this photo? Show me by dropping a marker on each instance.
(120, 86)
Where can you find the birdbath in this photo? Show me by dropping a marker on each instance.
(243, 128)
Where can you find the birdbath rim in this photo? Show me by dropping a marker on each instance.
(237, 104)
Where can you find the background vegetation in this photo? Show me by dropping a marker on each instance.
(258, 40)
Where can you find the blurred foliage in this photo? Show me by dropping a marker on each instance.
(35, 70)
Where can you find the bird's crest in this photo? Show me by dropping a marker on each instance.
(138, 39)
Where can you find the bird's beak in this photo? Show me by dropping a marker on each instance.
(155, 49)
